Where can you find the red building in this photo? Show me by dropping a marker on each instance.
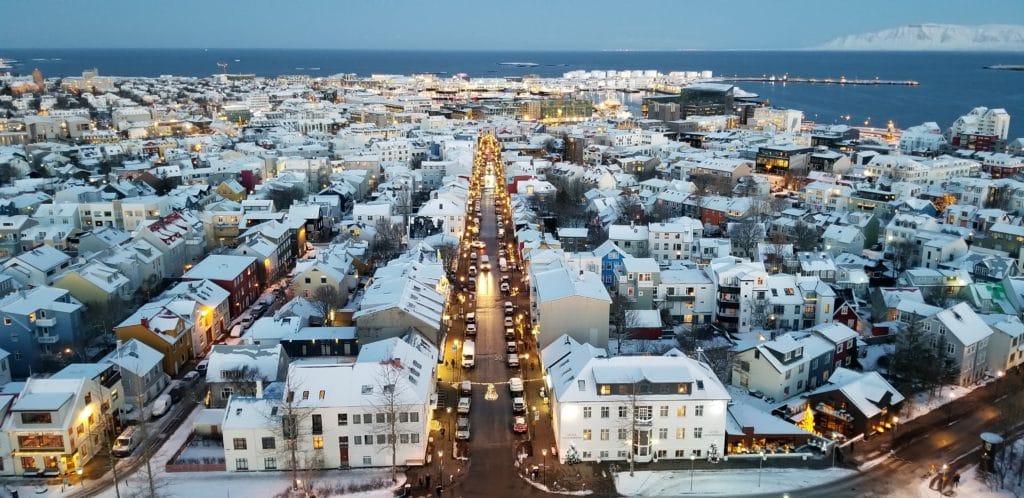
(236, 274)
(971, 141)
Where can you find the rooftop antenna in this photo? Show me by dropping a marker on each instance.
(223, 66)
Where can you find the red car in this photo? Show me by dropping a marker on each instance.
(519, 426)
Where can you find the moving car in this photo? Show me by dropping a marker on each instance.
(510, 334)
(126, 442)
(513, 361)
(519, 425)
(510, 347)
(509, 308)
(504, 287)
(518, 404)
(466, 388)
(515, 384)
(464, 403)
(470, 329)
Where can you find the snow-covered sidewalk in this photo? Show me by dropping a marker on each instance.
(970, 486)
(922, 403)
(734, 482)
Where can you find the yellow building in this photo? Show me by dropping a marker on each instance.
(162, 330)
(232, 190)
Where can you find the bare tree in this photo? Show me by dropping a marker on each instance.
(805, 236)
(326, 299)
(597, 234)
(390, 407)
(902, 255)
(239, 381)
(620, 318)
(387, 242)
(284, 197)
(288, 418)
(712, 184)
(745, 236)
(776, 252)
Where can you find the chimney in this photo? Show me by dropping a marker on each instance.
(145, 322)
(259, 389)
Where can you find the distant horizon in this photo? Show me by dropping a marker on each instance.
(526, 25)
(538, 50)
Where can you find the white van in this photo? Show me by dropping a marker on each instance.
(126, 442)
(468, 354)
(485, 263)
(503, 264)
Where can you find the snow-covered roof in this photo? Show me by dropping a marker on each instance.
(135, 357)
(561, 282)
(964, 323)
(220, 267)
(865, 390)
(577, 369)
(265, 361)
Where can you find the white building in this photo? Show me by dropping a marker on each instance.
(642, 408)
(343, 421)
(741, 293)
(565, 301)
(982, 121)
(674, 239)
(966, 337)
(923, 138)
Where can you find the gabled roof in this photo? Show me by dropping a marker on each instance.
(135, 357)
(964, 323)
(864, 390)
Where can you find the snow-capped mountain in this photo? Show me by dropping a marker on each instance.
(935, 37)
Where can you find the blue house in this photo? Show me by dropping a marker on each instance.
(42, 323)
(611, 257)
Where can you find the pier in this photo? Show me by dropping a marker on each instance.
(842, 80)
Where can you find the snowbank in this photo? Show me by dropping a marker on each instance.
(922, 403)
(733, 482)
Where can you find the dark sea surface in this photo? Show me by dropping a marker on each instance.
(950, 83)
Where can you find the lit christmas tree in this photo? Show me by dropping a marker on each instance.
(807, 423)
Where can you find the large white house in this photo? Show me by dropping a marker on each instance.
(643, 408)
(340, 412)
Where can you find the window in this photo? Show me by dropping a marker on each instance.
(403, 438)
(681, 411)
(681, 433)
(680, 453)
(367, 418)
(226, 393)
(355, 419)
(305, 395)
(605, 412)
(269, 443)
(403, 417)
(662, 434)
(342, 419)
(318, 442)
(623, 410)
(663, 411)
(381, 439)
(239, 443)
(414, 438)
(695, 453)
(270, 463)
(367, 461)
(380, 418)
(623, 433)
(357, 440)
(322, 394)
(414, 416)
(604, 434)
(586, 434)
(241, 464)
(587, 411)
(318, 424)
(698, 411)
(697, 431)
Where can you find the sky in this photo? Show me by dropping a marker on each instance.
(474, 25)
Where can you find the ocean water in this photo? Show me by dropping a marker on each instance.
(951, 83)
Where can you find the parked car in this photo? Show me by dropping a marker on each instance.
(237, 330)
(509, 322)
(466, 388)
(519, 425)
(510, 333)
(470, 329)
(509, 308)
(518, 404)
(504, 287)
(161, 405)
(191, 376)
(510, 347)
(464, 403)
(515, 384)
(201, 367)
(462, 428)
(513, 361)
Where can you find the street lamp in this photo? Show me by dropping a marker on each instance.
(449, 410)
(895, 422)
(692, 458)
(440, 468)
(544, 479)
(760, 465)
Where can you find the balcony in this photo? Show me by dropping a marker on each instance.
(729, 305)
(680, 297)
(46, 322)
(645, 420)
(47, 338)
(726, 289)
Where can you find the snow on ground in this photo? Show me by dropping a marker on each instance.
(247, 484)
(197, 451)
(970, 486)
(641, 346)
(732, 482)
(922, 403)
(873, 352)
